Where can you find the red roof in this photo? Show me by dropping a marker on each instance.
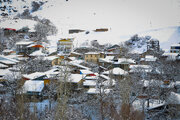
(38, 46)
(91, 74)
(10, 29)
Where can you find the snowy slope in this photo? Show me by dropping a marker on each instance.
(17, 23)
(14, 7)
(123, 18)
(119, 16)
(166, 36)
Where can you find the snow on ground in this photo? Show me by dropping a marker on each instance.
(138, 104)
(119, 16)
(122, 18)
(42, 106)
(166, 36)
(17, 23)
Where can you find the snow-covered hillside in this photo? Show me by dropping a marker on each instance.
(114, 15)
(17, 23)
(166, 36)
(14, 7)
(123, 18)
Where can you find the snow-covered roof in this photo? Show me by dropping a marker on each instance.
(86, 72)
(52, 72)
(174, 98)
(14, 56)
(4, 72)
(77, 61)
(24, 43)
(97, 91)
(75, 78)
(52, 50)
(33, 86)
(8, 62)
(177, 83)
(78, 65)
(104, 76)
(38, 53)
(124, 61)
(93, 53)
(50, 58)
(171, 56)
(7, 50)
(90, 78)
(8, 58)
(138, 68)
(22, 58)
(175, 45)
(149, 58)
(107, 59)
(34, 75)
(3, 66)
(116, 71)
(35, 45)
(89, 83)
(72, 58)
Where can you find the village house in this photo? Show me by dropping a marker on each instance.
(9, 31)
(37, 54)
(65, 46)
(106, 62)
(175, 48)
(32, 87)
(76, 81)
(69, 59)
(93, 57)
(55, 60)
(34, 47)
(101, 30)
(113, 48)
(72, 31)
(89, 84)
(21, 47)
(76, 54)
(2, 66)
(116, 73)
(123, 63)
(76, 66)
(169, 56)
(7, 61)
(8, 52)
(34, 76)
(148, 59)
(47, 77)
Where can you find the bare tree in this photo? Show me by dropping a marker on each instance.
(63, 92)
